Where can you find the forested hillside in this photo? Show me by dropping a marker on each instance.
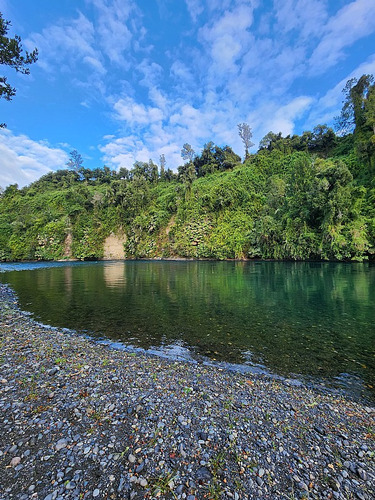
(299, 197)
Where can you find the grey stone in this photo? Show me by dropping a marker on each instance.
(61, 443)
(203, 474)
(259, 481)
(362, 474)
(140, 468)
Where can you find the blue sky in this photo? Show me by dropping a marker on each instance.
(123, 80)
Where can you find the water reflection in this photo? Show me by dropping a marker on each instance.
(114, 275)
(314, 319)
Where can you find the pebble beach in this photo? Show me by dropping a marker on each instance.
(79, 420)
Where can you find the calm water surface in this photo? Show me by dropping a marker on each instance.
(310, 320)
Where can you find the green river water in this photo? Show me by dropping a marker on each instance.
(314, 321)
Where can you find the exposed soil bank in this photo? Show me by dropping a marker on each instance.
(80, 420)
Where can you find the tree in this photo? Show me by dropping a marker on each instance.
(187, 153)
(323, 140)
(370, 109)
(162, 166)
(353, 111)
(75, 162)
(11, 54)
(187, 172)
(268, 141)
(214, 158)
(244, 131)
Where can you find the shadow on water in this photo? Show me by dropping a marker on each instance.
(308, 319)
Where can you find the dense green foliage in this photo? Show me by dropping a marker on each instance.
(301, 197)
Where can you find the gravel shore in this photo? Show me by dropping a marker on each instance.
(79, 420)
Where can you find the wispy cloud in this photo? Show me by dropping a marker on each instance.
(227, 38)
(329, 105)
(302, 18)
(87, 47)
(24, 160)
(136, 114)
(66, 45)
(114, 33)
(195, 8)
(351, 23)
(230, 61)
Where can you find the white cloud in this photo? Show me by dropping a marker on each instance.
(158, 98)
(66, 45)
(124, 152)
(329, 105)
(181, 72)
(353, 22)
(213, 120)
(228, 37)
(24, 160)
(305, 18)
(115, 35)
(284, 117)
(151, 72)
(136, 114)
(104, 39)
(244, 64)
(195, 8)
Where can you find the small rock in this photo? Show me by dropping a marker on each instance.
(15, 461)
(303, 486)
(53, 371)
(360, 495)
(95, 493)
(320, 430)
(140, 468)
(362, 474)
(131, 458)
(203, 474)
(61, 443)
(180, 488)
(293, 383)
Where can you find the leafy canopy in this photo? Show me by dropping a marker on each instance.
(11, 54)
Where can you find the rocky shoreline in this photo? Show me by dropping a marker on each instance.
(79, 420)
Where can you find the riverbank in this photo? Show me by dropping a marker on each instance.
(80, 420)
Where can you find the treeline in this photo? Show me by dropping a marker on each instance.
(309, 196)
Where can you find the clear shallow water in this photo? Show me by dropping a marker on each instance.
(313, 320)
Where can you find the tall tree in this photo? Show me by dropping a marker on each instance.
(244, 131)
(162, 166)
(187, 152)
(75, 161)
(358, 116)
(187, 171)
(11, 54)
(353, 111)
(370, 109)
